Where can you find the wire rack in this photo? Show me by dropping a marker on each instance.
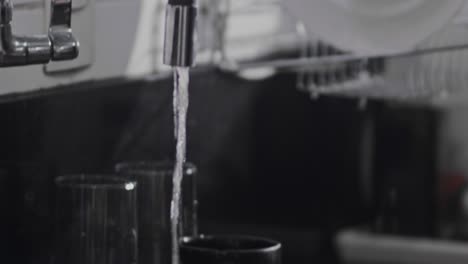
(436, 67)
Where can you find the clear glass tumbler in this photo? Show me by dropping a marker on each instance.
(96, 220)
(154, 205)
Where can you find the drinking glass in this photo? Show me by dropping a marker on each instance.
(96, 220)
(154, 205)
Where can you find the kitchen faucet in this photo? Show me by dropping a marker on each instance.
(179, 48)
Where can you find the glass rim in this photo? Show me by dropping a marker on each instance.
(270, 244)
(96, 181)
(156, 167)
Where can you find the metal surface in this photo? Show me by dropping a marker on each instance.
(59, 44)
(180, 35)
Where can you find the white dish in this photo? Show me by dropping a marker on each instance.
(355, 246)
(370, 27)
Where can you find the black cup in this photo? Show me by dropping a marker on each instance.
(229, 250)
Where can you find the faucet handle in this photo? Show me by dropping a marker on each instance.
(58, 44)
(20, 50)
(64, 45)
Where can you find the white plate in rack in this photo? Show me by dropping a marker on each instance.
(370, 27)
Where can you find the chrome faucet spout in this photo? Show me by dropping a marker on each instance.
(179, 41)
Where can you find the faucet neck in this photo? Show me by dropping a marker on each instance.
(182, 2)
(179, 40)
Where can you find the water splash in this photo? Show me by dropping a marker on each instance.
(181, 103)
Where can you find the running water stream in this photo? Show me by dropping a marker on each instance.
(181, 103)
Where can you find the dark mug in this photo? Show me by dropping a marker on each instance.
(229, 250)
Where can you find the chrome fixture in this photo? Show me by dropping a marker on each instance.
(180, 33)
(58, 44)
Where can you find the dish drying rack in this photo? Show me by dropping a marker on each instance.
(435, 69)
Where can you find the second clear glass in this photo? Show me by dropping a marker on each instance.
(154, 203)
